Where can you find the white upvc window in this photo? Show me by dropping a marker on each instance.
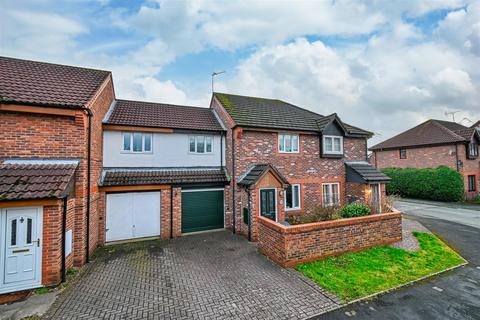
(288, 143)
(292, 197)
(137, 142)
(332, 144)
(331, 194)
(200, 144)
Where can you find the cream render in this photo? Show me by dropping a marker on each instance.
(169, 150)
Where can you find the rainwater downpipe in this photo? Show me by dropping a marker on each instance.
(171, 212)
(233, 180)
(64, 230)
(89, 167)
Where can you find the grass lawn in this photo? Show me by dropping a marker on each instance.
(354, 275)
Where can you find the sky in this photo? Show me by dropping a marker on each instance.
(384, 66)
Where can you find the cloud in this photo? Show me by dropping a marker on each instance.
(29, 31)
(388, 85)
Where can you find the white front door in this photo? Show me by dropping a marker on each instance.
(132, 215)
(21, 248)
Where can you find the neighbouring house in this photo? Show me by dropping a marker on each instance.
(50, 162)
(432, 144)
(283, 159)
(163, 170)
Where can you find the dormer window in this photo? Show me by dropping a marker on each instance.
(333, 145)
(472, 150)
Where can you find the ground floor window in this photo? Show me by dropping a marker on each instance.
(472, 183)
(292, 197)
(331, 194)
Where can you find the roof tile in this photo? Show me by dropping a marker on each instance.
(32, 82)
(272, 113)
(131, 177)
(430, 132)
(34, 181)
(148, 114)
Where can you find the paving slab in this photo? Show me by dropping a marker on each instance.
(215, 275)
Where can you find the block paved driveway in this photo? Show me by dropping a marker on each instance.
(215, 275)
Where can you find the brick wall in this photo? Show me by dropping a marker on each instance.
(431, 157)
(177, 211)
(293, 245)
(52, 241)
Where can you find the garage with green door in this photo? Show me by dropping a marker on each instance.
(202, 209)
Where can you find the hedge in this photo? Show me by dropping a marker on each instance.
(440, 184)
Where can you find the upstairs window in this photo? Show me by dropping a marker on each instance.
(292, 197)
(200, 144)
(331, 194)
(473, 150)
(137, 142)
(472, 183)
(332, 145)
(288, 143)
(403, 153)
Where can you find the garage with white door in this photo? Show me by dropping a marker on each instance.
(132, 215)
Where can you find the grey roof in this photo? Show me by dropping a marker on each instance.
(151, 176)
(256, 172)
(363, 172)
(273, 113)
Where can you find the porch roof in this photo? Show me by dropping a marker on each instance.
(34, 179)
(364, 172)
(255, 174)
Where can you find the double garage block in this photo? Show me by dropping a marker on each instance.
(136, 215)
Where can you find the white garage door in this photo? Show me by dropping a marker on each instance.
(132, 215)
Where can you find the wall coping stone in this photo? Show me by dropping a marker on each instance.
(328, 224)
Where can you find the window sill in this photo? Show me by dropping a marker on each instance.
(333, 155)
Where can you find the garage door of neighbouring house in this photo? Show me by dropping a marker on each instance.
(202, 210)
(132, 215)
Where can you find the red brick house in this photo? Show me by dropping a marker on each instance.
(50, 162)
(431, 144)
(283, 159)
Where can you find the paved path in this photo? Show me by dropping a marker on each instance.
(464, 214)
(214, 275)
(453, 295)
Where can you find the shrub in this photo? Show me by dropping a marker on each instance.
(440, 184)
(319, 213)
(355, 210)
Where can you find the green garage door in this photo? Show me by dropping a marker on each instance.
(202, 210)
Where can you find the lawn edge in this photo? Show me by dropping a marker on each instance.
(345, 304)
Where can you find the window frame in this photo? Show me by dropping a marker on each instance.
(472, 146)
(333, 152)
(400, 153)
(205, 138)
(472, 187)
(132, 133)
(299, 207)
(281, 137)
(329, 185)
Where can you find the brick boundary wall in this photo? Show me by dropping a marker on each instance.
(292, 245)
